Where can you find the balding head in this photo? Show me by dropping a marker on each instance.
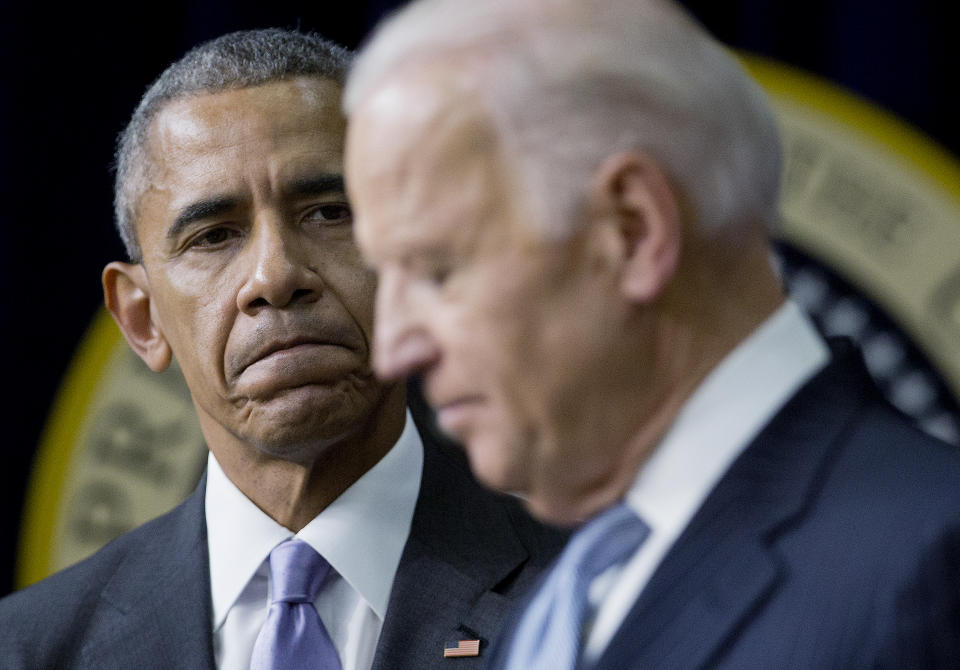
(568, 83)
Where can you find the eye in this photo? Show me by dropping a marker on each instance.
(432, 271)
(439, 273)
(212, 237)
(329, 214)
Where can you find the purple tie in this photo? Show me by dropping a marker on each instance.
(293, 636)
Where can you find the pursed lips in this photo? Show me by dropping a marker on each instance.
(454, 415)
(296, 342)
(457, 402)
(440, 395)
(257, 352)
(453, 404)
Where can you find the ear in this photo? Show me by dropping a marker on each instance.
(632, 190)
(126, 293)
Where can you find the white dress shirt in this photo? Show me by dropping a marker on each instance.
(361, 534)
(729, 408)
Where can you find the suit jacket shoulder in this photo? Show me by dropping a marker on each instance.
(140, 602)
(143, 601)
(832, 542)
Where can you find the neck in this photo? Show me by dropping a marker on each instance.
(715, 303)
(721, 297)
(293, 493)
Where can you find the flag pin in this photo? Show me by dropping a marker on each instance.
(463, 648)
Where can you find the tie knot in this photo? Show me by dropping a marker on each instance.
(549, 634)
(606, 540)
(296, 572)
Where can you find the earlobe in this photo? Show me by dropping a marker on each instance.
(126, 293)
(633, 190)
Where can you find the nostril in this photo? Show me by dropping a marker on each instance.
(300, 294)
(277, 297)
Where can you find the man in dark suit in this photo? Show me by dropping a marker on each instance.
(230, 199)
(566, 204)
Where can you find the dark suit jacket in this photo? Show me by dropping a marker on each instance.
(832, 542)
(143, 601)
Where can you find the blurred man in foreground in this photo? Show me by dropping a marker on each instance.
(328, 531)
(566, 205)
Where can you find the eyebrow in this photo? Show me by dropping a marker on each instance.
(202, 209)
(318, 185)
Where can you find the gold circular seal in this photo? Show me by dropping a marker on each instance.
(122, 446)
(863, 193)
(877, 201)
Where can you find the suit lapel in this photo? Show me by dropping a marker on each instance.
(462, 548)
(722, 567)
(463, 553)
(155, 610)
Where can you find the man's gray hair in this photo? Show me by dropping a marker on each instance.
(569, 82)
(236, 60)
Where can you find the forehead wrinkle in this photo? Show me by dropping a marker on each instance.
(443, 136)
(230, 118)
(181, 148)
(319, 94)
(309, 170)
(203, 154)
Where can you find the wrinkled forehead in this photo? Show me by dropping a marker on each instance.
(427, 100)
(428, 147)
(424, 116)
(300, 107)
(198, 123)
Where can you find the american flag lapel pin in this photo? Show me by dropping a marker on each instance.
(464, 648)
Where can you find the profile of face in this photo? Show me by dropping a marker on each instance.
(250, 275)
(518, 336)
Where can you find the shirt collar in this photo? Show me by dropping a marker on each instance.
(361, 534)
(726, 411)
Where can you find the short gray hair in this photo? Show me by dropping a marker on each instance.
(236, 60)
(567, 83)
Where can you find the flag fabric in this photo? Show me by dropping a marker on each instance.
(463, 648)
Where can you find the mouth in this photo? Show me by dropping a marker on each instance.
(309, 364)
(291, 345)
(271, 340)
(274, 359)
(455, 416)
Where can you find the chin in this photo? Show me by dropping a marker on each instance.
(289, 433)
(496, 464)
(550, 510)
(558, 506)
(308, 418)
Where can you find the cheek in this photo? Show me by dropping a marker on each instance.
(201, 334)
(494, 348)
(364, 297)
(355, 287)
(197, 324)
(543, 343)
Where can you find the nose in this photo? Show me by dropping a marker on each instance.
(279, 269)
(403, 343)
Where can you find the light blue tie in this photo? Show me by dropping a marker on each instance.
(293, 636)
(549, 634)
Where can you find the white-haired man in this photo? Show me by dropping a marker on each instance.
(566, 206)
